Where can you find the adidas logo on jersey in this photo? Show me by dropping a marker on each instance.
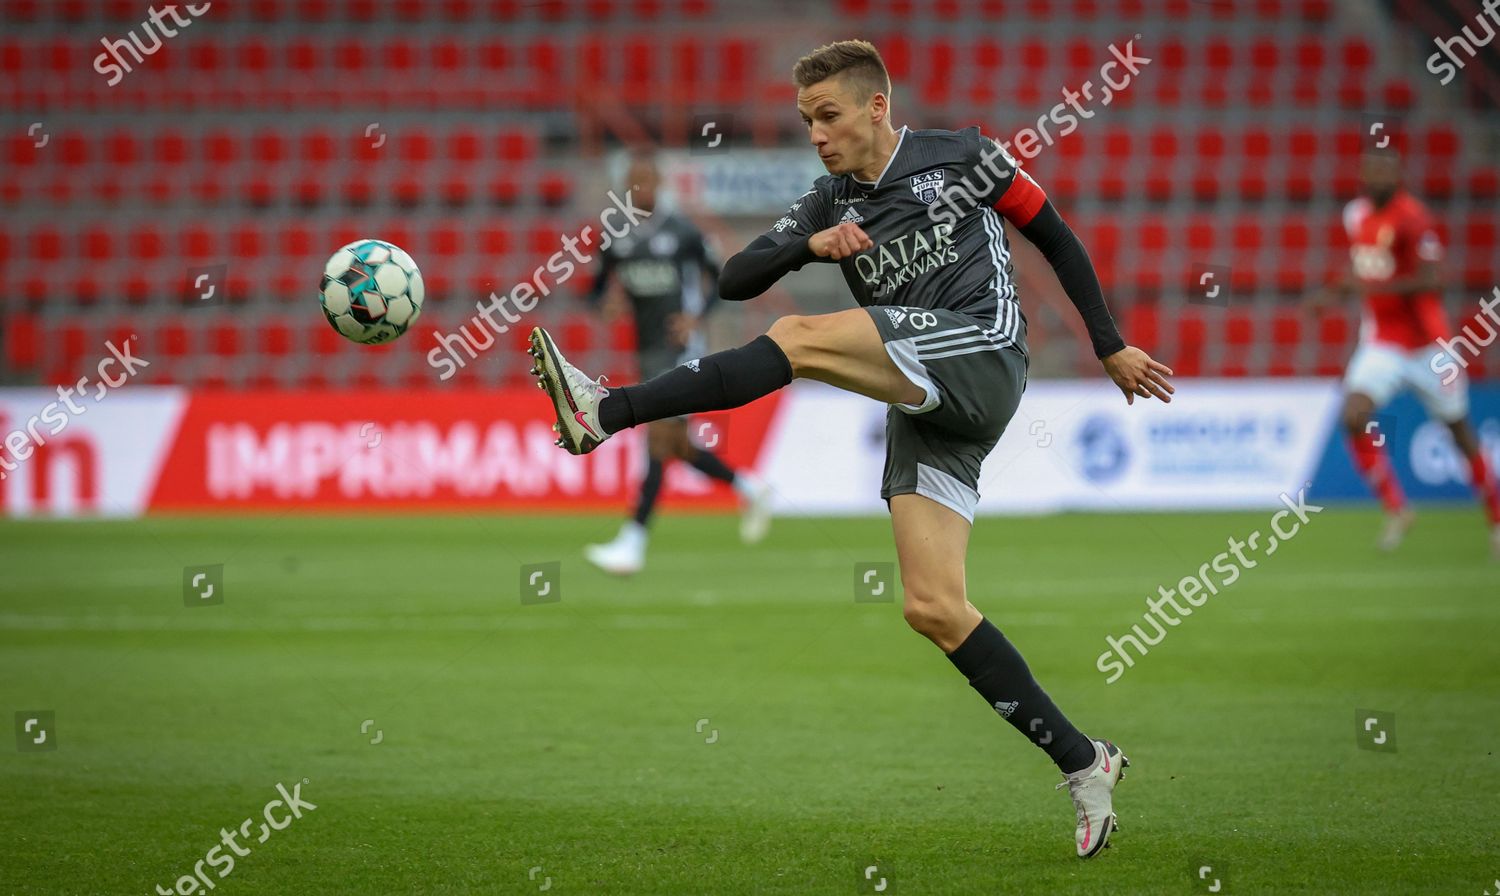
(693, 365)
(1005, 709)
(896, 315)
(852, 216)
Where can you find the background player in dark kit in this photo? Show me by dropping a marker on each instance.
(913, 218)
(662, 268)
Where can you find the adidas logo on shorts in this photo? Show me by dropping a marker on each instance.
(896, 315)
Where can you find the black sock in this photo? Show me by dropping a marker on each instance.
(996, 670)
(714, 382)
(650, 488)
(712, 466)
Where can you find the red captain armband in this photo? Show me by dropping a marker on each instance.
(1021, 200)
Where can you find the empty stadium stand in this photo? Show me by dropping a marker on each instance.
(269, 133)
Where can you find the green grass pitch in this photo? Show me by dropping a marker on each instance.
(732, 720)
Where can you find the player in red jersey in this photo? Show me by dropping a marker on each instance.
(1395, 252)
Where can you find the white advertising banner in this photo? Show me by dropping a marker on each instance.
(85, 454)
(740, 182)
(1076, 446)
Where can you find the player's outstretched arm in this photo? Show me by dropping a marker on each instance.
(1135, 372)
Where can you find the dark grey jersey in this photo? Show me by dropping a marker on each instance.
(661, 266)
(939, 243)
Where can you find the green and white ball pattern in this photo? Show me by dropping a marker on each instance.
(371, 291)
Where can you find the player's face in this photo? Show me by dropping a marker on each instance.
(1378, 177)
(840, 128)
(642, 180)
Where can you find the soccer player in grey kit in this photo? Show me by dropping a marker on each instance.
(913, 219)
(661, 266)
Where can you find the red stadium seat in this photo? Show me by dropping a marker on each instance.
(196, 244)
(937, 79)
(46, 244)
(253, 56)
(172, 339)
(516, 148)
(1143, 326)
(1191, 336)
(494, 243)
(639, 83)
(984, 71)
(326, 341)
(1239, 338)
(1398, 95)
(224, 339)
(1200, 236)
(578, 332)
(445, 242)
(1484, 184)
(464, 146)
(1438, 183)
(97, 244)
(1441, 145)
(555, 189)
(1286, 341)
(1333, 344)
(122, 150)
(23, 341)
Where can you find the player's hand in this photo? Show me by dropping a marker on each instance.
(839, 242)
(1137, 374)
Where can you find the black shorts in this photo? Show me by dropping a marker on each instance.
(973, 382)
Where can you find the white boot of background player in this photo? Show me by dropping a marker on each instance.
(624, 556)
(755, 506)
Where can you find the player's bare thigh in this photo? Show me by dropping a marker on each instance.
(844, 349)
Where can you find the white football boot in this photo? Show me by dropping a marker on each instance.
(574, 396)
(1394, 531)
(625, 556)
(1092, 790)
(755, 510)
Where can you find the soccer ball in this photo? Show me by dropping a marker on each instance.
(371, 291)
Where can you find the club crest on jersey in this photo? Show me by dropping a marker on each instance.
(928, 186)
(851, 216)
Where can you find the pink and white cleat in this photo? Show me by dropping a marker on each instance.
(574, 396)
(1092, 790)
